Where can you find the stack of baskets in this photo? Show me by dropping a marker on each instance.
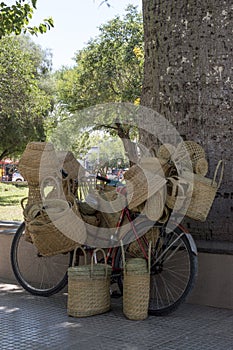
(51, 217)
(175, 180)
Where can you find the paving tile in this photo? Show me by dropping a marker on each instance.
(32, 322)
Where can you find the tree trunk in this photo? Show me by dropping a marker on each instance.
(187, 79)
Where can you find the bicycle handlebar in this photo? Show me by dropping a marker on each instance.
(102, 178)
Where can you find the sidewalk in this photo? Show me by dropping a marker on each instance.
(31, 322)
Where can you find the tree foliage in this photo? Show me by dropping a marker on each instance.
(15, 19)
(23, 103)
(109, 69)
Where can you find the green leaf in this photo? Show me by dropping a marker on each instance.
(34, 3)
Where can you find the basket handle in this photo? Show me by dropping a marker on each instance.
(220, 163)
(176, 184)
(72, 201)
(42, 186)
(149, 257)
(105, 261)
(22, 202)
(74, 255)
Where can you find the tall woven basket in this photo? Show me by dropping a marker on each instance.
(88, 287)
(136, 288)
(38, 161)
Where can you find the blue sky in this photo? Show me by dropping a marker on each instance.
(76, 21)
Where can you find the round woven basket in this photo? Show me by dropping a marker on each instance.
(165, 151)
(189, 151)
(201, 167)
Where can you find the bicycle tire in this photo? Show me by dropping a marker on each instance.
(174, 274)
(43, 276)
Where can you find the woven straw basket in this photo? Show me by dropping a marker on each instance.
(179, 191)
(203, 194)
(88, 287)
(73, 169)
(136, 288)
(52, 226)
(154, 205)
(110, 204)
(141, 184)
(38, 160)
(189, 153)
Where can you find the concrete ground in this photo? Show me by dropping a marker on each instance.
(32, 322)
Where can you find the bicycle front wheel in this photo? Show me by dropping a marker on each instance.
(37, 274)
(173, 268)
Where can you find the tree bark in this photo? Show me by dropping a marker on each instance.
(187, 79)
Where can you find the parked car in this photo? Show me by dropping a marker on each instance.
(17, 177)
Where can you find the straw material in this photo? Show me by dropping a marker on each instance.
(38, 160)
(134, 248)
(88, 287)
(91, 219)
(166, 151)
(86, 209)
(152, 164)
(203, 194)
(179, 190)
(141, 184)
(189, 151)
(55, 226)
(201, 167)
(73, 169)
(70, 164)
(136, 289)
(154, 205)
(110, 205)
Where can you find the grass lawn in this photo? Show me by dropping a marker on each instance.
(10, 197)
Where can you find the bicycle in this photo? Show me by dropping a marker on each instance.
(173, 262)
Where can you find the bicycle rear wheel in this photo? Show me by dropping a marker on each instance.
(38, 275)
(173, 270)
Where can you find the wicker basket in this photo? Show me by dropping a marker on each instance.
(141, 184)
(73, 169)
(88, 287)
(52, 226)
(201, 167)
(188, 154)
(179, 191)
(110, 204)
(203, 194)
(136, 288)
(154, 205)
(39, 160)
(135, 249)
